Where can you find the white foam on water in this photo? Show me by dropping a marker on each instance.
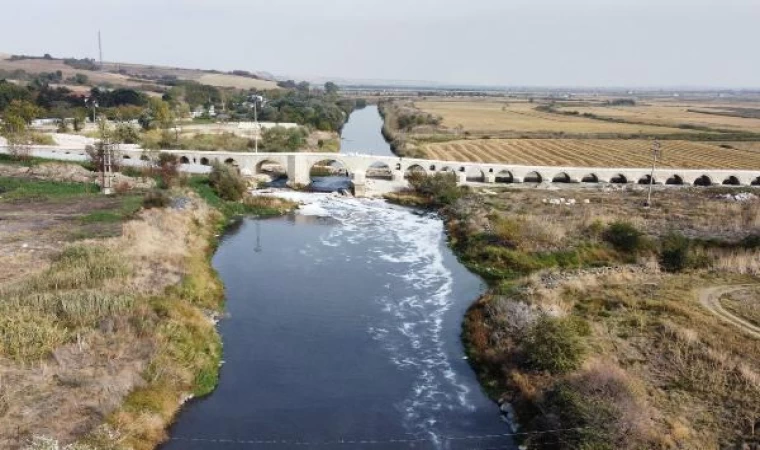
(412, 334)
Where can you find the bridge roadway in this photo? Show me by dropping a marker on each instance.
(298, 166)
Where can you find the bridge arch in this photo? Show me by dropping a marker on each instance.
(231, 162)
(590, 178)
(184, 160)
(562, 177)
(732, 181)
(675, 179)
(647, 179)
(704, 180)
(205, 161)
(533, 177)
(126, 157)
(414, 168)
(432, 167)
(270, 167)
(475, 175)
(379, 170)
(505, 176)
(619, 179)
(144, 157)
(328, 167)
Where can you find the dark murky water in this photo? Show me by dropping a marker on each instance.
(363, 133)
(343, 333)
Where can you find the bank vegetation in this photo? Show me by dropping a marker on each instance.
(109, 306)
(599, 330)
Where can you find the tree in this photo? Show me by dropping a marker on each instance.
(81, 78)
(26, 111)
(331, 88)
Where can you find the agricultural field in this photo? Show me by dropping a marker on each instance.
(522, 117)
(721, 117)
(593, 153)
(237, 82)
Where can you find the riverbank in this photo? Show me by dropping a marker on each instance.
(108, 315)
(592, 323)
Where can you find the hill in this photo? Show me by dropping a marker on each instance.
(133, 75)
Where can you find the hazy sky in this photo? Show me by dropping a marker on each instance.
(502, 42)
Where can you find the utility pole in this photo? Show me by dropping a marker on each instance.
(100, 50)
(256, 129)
(656, 154)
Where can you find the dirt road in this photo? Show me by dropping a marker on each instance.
(710, 299)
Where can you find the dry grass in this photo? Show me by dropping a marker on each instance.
(662, 371)
(107, 340)
(745, 304)
(593, 153)
(673, 115)
(521, 117)
(238, 82)
(51, 66)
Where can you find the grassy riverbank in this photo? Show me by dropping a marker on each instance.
(595, 322)
(108, 311)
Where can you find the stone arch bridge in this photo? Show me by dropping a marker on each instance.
(297, 166)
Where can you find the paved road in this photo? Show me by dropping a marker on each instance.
(710, 299)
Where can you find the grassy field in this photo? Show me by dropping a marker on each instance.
(593, 153)
(522, 117)
(592, 322)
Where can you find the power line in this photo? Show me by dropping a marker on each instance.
(273, 442)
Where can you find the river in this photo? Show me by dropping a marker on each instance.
(363, 133)
(343, 332)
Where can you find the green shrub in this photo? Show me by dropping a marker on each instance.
(553, 344)
(624, 237)
(227, 182)
(440, 188)
(674, 256)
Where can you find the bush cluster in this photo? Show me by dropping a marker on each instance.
(554, 345)
(624, 237)
(440, 189)
(227, 182)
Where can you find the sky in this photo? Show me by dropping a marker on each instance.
(553, 43)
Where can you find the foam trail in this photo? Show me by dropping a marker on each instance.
(412, 329)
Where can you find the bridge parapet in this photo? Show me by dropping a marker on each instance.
(298, 166)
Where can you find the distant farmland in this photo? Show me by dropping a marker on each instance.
(522, 117)
(593, 153)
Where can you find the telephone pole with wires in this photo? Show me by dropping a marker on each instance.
(656, 155)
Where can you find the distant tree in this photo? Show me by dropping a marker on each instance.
(289, 84)
(331, 88)
(10, 92)
(303, 86)
(81, 78)
(26, 111)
